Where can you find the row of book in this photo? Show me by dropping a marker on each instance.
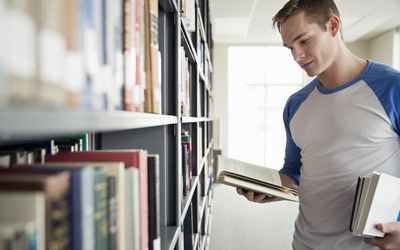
(92, 55)
(104, 199)
(34, 151)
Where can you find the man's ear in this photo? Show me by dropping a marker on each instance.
(334, 25)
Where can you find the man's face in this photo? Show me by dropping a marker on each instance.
(312, 47)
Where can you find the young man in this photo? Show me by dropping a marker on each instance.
(342, 125)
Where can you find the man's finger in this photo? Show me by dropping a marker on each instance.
(259, 198)
(250, 195)
(239, 191)
(389, 227)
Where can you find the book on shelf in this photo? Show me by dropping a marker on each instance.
(18, 234)
(132, 159)
(253, 177)
(376, 200)
(189, 15)
(81, 199)
(188, 229)
(153, 83)
(115, 195)
(41, 198)
(154, 201)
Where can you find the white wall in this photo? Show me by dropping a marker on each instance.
(238, 224)
(220, 83)
(381, 48)
(359, 48)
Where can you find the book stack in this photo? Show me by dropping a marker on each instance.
(81, 54)
(104, 199)
(377, 200)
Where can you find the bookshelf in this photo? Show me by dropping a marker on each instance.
(120, 88)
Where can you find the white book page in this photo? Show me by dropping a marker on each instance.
(250, 170)
(385, 204)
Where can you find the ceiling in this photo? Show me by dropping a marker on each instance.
(249, 21)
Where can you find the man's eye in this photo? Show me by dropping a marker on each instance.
(304, 41)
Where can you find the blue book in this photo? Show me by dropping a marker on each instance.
(81, 199)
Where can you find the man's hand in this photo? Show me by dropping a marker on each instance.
(256, 197)
(391, 240)
(262, 198)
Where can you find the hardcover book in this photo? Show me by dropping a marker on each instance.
(376, 201)
(116, 204)
(134, 158)
(17, 188)
(254, 178)
(154, 202)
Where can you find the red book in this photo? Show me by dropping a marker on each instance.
(135, 158)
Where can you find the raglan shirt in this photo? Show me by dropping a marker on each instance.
(333, 137)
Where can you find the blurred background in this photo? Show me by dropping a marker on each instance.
(254, 77)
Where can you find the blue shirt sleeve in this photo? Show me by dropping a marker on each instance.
(292, 161)
(385, 83)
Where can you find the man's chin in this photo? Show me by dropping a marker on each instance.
(311, 73)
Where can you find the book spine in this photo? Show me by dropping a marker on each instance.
(154, 202)
(58, 221)
(112, 213)
(87, 209)
(100, 210)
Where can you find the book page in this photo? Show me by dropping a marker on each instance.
(270, 192)
(249, 170)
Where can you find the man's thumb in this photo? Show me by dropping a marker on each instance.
(389, 227)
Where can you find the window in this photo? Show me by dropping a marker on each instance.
(260, 80)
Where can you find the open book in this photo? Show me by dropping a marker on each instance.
(252, 177)
(377, 200)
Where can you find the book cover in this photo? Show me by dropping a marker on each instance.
(80, 200)
(27, 206)
(112, 213)
(253, 177)
(131, 159)
(55, 188)
(132, 201)
(154, 202)
(115, 174)
(372, 204)
(100, 210)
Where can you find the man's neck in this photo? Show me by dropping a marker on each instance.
(344, 68)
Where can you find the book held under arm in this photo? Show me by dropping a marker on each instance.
(254, 178)
(376, 200)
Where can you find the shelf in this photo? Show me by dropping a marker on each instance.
(188, 45)
(207, 237)
(202, 76)
(169, 5)
(202, 31)
(203, 244)
(202, 208)
(169, 237)
(20, 122)
(188, 199)
(208, 56)
(121, 130)
(203, 160)
(196, 240)
(194, 119)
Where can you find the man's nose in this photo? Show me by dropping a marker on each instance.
(298, 54)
